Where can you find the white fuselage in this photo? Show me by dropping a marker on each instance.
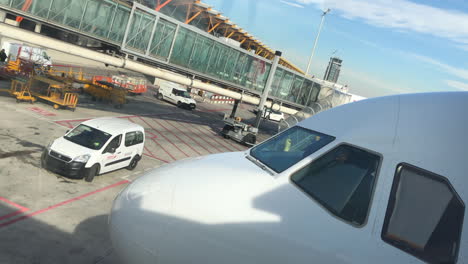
(233, 208)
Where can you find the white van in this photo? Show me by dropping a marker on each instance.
(94, 147)
(175, 93)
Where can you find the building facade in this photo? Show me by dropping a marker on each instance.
(333, 70)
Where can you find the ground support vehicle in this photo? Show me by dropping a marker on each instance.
(236, 130)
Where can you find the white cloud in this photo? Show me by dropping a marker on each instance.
(463, 47)
(457, 85)
(368, 85)
(292, 4)
(459, 72)
(401, 15)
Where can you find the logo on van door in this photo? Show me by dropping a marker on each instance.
(111, 157)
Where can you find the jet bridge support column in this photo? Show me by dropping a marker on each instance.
(38, 28)
(2, 16)
(267, 89)
(234, 108)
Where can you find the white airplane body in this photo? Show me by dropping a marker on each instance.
(377, 181)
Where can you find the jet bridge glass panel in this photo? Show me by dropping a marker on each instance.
(286, 149)
(119, 23)
(424, 215)
(162, 39)
(276, 81)
(140, 31)
(303, 97)
(96, 20)
(314, 94)
(342, 181)
(5, 2)
(295, 89)
(256, 74)
(18, 4)
(67, 12)
(200, 55)
(40, 8)
(284, 86)
(183, 47)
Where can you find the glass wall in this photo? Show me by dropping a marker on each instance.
(140, 31)
(303, 97)
(97, 17)
(65, 12)
(162, 39)
(41, 8)
(193, 49)
(119, 24)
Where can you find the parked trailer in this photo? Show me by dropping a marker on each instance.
(20, 89)
(57, 93)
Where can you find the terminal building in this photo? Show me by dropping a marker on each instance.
(333, 70)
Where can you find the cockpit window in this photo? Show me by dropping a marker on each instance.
(424, 215)
(282, 151)
(342, 181)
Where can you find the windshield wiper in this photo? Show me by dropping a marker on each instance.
(259, 164)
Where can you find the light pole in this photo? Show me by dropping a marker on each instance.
(316, 39)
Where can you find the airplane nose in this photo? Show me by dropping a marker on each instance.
(138, 215)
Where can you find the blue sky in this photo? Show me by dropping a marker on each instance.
(387, 46)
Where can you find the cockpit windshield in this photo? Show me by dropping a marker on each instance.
(286, 149)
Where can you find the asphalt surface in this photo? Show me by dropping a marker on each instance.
(48, 218)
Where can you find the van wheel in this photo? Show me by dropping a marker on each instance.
(91, 172)
(133, 163)
(159, 96)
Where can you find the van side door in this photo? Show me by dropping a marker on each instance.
(173, 95)
(113, 155)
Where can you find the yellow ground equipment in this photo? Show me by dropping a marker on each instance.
(21, 90)
(106, 92)
(17, 68)
(60, 73)
(57, 93)
(100, 88)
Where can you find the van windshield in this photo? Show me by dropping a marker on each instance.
(88, 137)
(286, 149)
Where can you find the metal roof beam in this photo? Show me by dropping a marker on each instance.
(193, 17)
(158, 8)
(214, 27)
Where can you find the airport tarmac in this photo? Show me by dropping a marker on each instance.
(48, 218)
